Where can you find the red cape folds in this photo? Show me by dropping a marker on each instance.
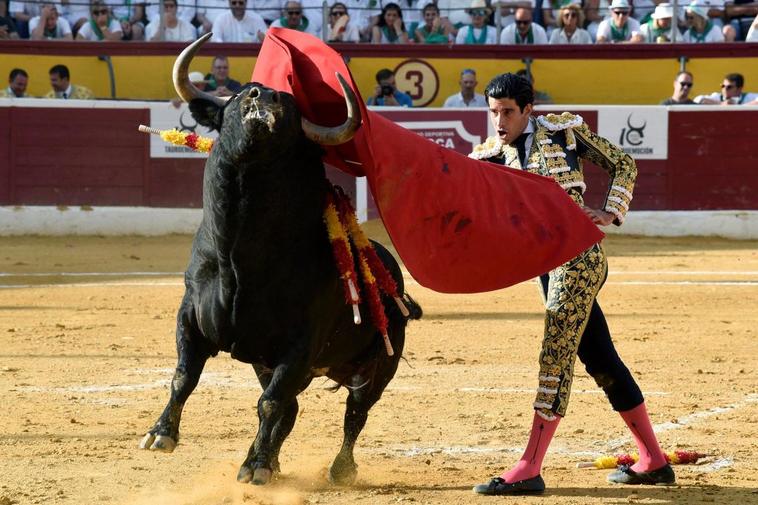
(460, 225)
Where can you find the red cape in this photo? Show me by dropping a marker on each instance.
(459, 225)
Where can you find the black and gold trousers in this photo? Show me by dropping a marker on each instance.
(571, 292)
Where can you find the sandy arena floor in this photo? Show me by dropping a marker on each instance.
(85, 362)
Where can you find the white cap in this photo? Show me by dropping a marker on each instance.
(699, 7)
(196, 77)
(620, 4)
(663, 11)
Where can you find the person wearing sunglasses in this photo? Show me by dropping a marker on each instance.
(661, 27)
(294, 18)
(551, 11)
(731, 93)
(620, 28)
(700, 28)
(523, 30)
(101, 25)
(556, 146)
(569, 30)
(478, 32)
(683, 83)
(341, 29)
(239, 24)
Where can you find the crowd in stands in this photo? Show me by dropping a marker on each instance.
(376, 21)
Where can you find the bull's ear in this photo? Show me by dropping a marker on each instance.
(206, 113)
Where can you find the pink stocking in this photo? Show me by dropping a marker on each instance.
(530, 463)
(651, 456)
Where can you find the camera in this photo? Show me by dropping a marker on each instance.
(387, 90)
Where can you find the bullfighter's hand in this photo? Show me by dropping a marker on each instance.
(599, 217)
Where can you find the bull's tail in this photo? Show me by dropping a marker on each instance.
(413, 308)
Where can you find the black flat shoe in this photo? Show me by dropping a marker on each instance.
(497, 486)
(664, 476)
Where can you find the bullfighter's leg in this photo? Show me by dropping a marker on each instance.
(283, 428)
(359, 401)
(164, 435)
(274, 404)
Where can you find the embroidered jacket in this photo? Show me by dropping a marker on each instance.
(77, 93)
(559, 144)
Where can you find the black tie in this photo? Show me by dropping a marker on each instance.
(520, 144)
(65, 95)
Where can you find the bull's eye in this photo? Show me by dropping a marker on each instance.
(275, 97)
(254, 92)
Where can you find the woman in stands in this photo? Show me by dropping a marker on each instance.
(390, 29)
(570, 19)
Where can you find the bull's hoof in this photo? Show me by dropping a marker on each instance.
(160, 443)
(262, 476)
(343, 476)
(245, 475)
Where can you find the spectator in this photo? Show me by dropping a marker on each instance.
(101, 25)
(731, 93)
(365, 15)
(49, 25)
(17, 81)
(595, 11)
(184, 9)
(523, 30)
(434, 30)
(620, 28)
(237, 25)
(683, 83)
(341, 27)
(468, 97)
(294, 19)
(390, 28)
(386, 93)
(570, 20)
(62, 87)
(701, 29)
(742, 16)
(170, 28)
(661, 26)
(207, 13)
(540, 97)
(716, 13)
(197, 79)
(478, 32)
(218, 81)
(7, 28)
(130, 15)
(551, 10)
(752, 34)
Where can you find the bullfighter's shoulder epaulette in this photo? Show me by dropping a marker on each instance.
(564, 121)
(490, 148)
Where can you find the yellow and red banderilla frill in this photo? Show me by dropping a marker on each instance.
(674, 457)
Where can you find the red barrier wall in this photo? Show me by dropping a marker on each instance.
(85, 156)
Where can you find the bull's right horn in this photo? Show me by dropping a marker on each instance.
(336, 135)
(184, 87)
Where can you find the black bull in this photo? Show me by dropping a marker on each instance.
(262, 282)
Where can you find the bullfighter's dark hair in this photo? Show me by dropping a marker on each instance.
(511, 86)
(383, 74)
(736, 78)
(16, 72)
(61, 70)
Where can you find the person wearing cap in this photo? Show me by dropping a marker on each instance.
(731, 93)
(620, 28)
(683, 83)
(478, 32)
(556, 146)
(171, 27)
(700, 29)
(569, 30)
(661, 26)
(468, 97)
(523, 30)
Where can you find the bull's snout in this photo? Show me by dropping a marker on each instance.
(255, 106)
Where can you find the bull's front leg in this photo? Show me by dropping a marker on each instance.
(274, 423)
(192, 356)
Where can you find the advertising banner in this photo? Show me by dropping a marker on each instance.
(642, 132)
(165, 116)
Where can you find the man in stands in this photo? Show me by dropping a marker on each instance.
(523, 30)
(218, 81)
(62, 87)
(468, 97)
(683, 83)
(731, 93)
(386, 93)
(294, 19)
(239, 25)
(49, 25)
(620, 28)
(17, 82)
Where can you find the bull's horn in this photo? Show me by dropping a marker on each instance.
(184, 87)
(332, 136)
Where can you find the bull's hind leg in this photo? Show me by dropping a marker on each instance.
(277, 410)
(164, 435)
(361, 398)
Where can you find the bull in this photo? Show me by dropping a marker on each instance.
(262, 282)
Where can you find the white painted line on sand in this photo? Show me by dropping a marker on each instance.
(717, 465)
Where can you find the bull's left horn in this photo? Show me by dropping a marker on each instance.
(184, 87)
(332, 136)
